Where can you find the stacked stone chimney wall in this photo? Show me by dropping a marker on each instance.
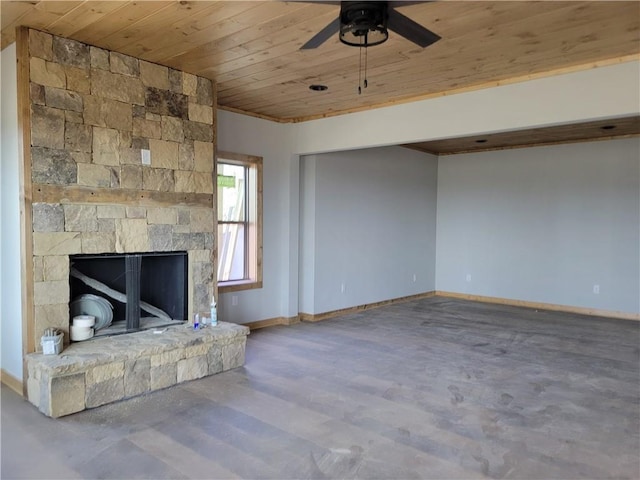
(93, 112)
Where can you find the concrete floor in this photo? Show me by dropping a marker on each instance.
(436, 388)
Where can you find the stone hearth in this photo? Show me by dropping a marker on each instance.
(96, 372)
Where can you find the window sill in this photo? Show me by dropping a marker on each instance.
(227, 287)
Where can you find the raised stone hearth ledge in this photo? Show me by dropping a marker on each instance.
(97, 372)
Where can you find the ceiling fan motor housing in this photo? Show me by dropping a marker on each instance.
(363, 24)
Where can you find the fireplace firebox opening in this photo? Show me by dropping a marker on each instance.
(146, 290)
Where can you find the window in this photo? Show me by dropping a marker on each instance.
(239, 221)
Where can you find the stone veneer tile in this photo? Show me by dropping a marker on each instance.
(115, 177)
(104, 392)
(164, 102)
(101, 373)
(124, 64)
(80, 218)
(93, 175)
(56, 267)
(99, 58)
(158, 179)
(52, 166)
(137, 376)
(201, 219)
(73, 117)
(233, 355)
(56, 243)
(48, 217)
(202, 272)
(47, 127)
(172, 129)
(63, 99)
(214, 359)
(166, 358)
(200, 113)
(163, 376)
(40, 45)
(117, 87)
(47, 73)
(175, 80)
(184, 181)
(67, 395)
(146, 128)
(198, 131)
(70, 52)
(203, 156)
(131, 177)
(106, 146)
(200, 255)
(102, 241)
(136, 212)
(167, 216)
(104, 112)
(110, 211)
(78, 79)
(107, 225)
(153, 75)
(131, 235)
(204, 91)
(47, 293)
(186, 155)
(160, 238)
(37, 93)
(38, 269)
(190, 84)
(52, 316)
(78, 137)
(192, 368)
(163, 154)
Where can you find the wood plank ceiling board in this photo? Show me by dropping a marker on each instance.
(251, 49)
(587, 131)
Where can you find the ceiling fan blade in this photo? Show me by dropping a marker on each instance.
(410, 30)
(323, 35)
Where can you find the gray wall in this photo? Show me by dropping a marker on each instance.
(367, 227)
(543, 224)
(10, 291)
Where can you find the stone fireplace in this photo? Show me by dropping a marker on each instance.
(119, 160)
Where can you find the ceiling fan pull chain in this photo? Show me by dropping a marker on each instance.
(360, 68)
(365, 63)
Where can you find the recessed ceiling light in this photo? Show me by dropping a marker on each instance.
(318, 88)
(482, 140)
(608, 127)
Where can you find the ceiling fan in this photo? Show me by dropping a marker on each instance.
(366, 24)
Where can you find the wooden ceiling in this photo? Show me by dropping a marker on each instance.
(251, 49)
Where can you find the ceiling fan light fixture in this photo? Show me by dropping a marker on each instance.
(363, 24)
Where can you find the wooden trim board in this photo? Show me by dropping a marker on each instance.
(310, 317)
(26, 224)
(541, 306)
(75, 194)
(12, 382)
(271, 322)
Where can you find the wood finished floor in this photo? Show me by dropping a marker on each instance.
(435, 388)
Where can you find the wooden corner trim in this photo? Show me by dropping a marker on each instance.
(542, 306)
(26, 221)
